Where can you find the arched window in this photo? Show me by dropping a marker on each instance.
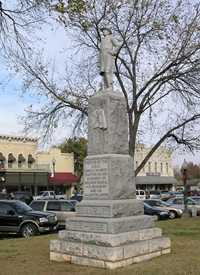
(31, 160)
(2, 160)
(21, 160)
(11, 160)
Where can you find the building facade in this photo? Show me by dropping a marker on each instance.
(23, 167)
(157, 174)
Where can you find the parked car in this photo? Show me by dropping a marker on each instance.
(153, 211)
(140, 195)
(154, 194)
(4, 196)
(74, 203)
(63, 209)
(176, 202)
(23, 196)
(18, 217)
(192, 202)
(77, 197)
(165, 195)
(176, 194)
(46, 195)
(161, 205)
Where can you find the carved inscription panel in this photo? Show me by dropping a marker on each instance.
(96, 177)
(88, 226)
(94, 211)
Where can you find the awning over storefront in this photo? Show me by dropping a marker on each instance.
(63, 178)
(151, 180)
(26, 178)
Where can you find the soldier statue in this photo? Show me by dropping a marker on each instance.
(108, 51)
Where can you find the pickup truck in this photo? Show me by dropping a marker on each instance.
(46, 195)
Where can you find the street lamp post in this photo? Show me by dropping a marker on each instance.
(185, 177)
(53, 167)
(53, 171)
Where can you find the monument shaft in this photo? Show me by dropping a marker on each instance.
(110, 229)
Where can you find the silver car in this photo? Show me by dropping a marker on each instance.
(161, 205)
(192, 202)
(64, 209)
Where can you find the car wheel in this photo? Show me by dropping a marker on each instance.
(28, 230)
(172, 214)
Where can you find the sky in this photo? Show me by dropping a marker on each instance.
(14, 102)
(11, 105)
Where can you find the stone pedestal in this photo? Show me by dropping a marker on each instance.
(110, 229)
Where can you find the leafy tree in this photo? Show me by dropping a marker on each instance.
(157, 68)
(78, 146)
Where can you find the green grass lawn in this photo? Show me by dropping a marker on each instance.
(19, 256)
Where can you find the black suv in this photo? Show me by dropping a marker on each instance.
(17, 217)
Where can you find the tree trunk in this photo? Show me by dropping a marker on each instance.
(133, 128)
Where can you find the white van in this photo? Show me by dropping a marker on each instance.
(140, 194)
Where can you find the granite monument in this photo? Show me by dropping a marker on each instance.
(110, 229)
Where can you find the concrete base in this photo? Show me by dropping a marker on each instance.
(108, 257)
(109, 250)
(105, 264)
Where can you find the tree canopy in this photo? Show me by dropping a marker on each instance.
(193, 171)
(157, 68)
(78, 146)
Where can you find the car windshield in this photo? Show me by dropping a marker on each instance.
(147, 205)
(155, 192)
(165, 203)
(153, 202)
(21, 207)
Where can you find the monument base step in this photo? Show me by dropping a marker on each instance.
(110, 240)
(105, 264)
(108, 257)
(110, 208)
(110, 225)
